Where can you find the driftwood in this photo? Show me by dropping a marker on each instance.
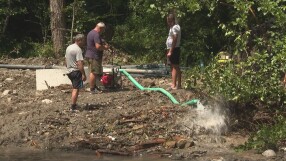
(147, 144)
(47, 85)
(132, 115)
(135, 128)
(129, 121)
(113, 152)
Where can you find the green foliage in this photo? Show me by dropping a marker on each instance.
(258, 80)
(41, 50)
(267, 137)
(14, 49)
(192, 78)
(26, 48)
(81, 21)
(257, 50)
(145, 31)
(142, 39)
(11, 8)
(89, 12)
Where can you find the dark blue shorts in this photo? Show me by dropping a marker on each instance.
(175, 57)
(76, 79)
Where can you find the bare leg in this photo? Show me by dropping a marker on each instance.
(179, 77)
(74, 95)
(174, 76)
(92, 78)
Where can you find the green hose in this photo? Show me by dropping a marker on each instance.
(191, 102)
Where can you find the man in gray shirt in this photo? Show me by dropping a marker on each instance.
(75, 67)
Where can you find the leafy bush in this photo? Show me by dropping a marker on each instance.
(256, 81)
(13, 48)
(144, 41)
(267, 137)
(192, 78)
(41, 50)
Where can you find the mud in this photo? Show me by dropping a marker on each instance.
(124, 121)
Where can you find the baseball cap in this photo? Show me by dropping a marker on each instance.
(100, 24)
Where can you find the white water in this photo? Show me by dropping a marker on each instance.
(210, 119)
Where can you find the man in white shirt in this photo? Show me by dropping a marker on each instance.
(75, 67)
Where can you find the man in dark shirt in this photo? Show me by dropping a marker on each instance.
(94, 53)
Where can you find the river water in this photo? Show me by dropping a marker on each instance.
(17, 154)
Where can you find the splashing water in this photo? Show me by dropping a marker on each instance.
(206, 119)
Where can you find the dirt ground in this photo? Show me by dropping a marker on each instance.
(121, 122)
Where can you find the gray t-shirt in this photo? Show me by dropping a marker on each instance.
(93, 37)
(73, 54)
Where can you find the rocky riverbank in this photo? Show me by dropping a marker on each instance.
(125, 121)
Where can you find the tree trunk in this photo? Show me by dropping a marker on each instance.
(57, 26)
(73, 19)
(6, 19)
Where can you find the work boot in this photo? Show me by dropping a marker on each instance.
(73, 107)
(95, 91)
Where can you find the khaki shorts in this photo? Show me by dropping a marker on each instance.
(95, 66)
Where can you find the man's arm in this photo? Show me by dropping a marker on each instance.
(174, 43)
(80, 66)
(101, 47)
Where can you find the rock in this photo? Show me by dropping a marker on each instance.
(160, 100)
(119, 107)
(47, 101)
(170, 144)
(162, 82)
(109, 146)
(6, 92)
(111, 138)
(218, 159)
(283, 149)
(269, 153)
(148, 83)
(178, 156)
(116, 122)
(181, 143)
(189, 144)
(189, 96)
(136, 127)
(9, 100)
(9, 79)
(15, 92)
(125, 60)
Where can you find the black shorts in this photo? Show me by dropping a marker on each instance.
(175, 57)
(76, 79)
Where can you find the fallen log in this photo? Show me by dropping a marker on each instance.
(129, 121)
(113, 152)
(131, 115)
(147, 144)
